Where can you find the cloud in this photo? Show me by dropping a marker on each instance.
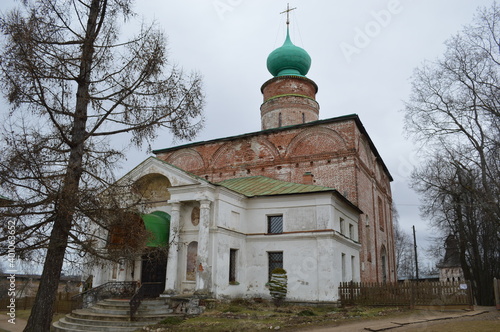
(228, 41)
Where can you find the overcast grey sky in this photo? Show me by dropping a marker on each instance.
(363, 54)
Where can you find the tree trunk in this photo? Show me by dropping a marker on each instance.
(41, 314)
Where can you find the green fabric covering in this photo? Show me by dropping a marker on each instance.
(158, 223)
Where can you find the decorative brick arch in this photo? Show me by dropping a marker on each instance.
(316, 141)
(243, 151)
(187, 159)
(365, 153)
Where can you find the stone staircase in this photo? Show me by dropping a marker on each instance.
(114, 315)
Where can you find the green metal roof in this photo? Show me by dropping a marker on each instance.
(264, 186)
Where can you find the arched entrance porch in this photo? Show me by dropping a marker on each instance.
(154, 259)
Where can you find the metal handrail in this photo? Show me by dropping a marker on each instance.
(148, 290)
(112, 289)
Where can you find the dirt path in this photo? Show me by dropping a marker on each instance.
(5, 325)
(416, 321)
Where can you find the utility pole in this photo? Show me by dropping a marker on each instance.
(415, 248)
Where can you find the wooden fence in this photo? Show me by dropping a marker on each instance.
(413, 294)
(496, 287)
(62, 305)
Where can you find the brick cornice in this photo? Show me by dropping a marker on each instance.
(345, 118)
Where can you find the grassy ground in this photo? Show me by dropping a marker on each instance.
(24, 314)
(243, 315)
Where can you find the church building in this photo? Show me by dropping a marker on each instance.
(311, 196)
(450, 268)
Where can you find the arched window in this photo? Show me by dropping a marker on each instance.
(192, 255)
(383, 256)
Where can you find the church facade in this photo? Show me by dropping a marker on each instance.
(227, 237)
(312, 196)
(450, 268)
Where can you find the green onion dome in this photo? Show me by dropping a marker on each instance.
(288, 60)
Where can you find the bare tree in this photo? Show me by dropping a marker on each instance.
(404, 249)
(73, 83)
(454, 110)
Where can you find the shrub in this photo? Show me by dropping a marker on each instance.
(278, 285)
(232, 308)
(173, 320)
(306, 313)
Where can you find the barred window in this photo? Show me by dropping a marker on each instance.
(275, 261)
(275, 224)
(232, 264)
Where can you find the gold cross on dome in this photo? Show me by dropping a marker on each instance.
(287, 11)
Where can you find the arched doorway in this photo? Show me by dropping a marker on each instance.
(152, 191)
(154, 267)
(154, 260)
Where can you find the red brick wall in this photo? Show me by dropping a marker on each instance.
(288, 100)
(287, 111)
(336, 153)
(289, 85)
